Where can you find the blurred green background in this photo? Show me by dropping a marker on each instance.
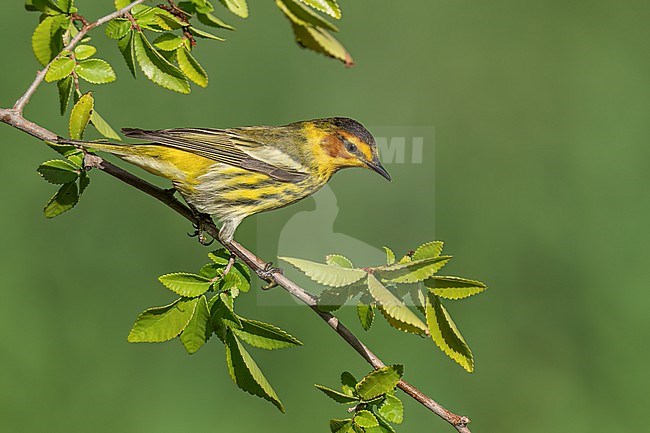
(540, 112)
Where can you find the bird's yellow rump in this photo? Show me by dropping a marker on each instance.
(238, 172)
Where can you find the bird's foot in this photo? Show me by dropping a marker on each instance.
(199, 229)
(267, 275)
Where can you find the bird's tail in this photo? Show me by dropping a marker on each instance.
(114, 148)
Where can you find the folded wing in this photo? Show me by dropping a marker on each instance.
(228, 147)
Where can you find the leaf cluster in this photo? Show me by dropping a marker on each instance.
(375, 405)
(168, 59)
(206, 307)
(311, 30)
(69, 172)
(57, 26)
(392, 288)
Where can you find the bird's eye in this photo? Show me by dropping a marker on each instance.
(351, 147)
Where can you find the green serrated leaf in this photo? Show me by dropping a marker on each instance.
(243, 272)
(417, 297)
(63, 149)
(223, 314)
(139, 9)
(80, 115)
(390, 256)
(392, 409)
(205, 35)
(65, 199)
(187, 6)
(29, 6)
(413, 271)
(147, 19)
(399, 325)
(46, 39)
(191, 68)
(118, 28)
(82, 52)
(448, 287)
(392, 307)
(229, 281)
(156, 68)
(96, 71)
(220, 256)
(302, 15)
(264, 335)
(68, 6)
(145, 16)
(238, 7)
(84, 182)
(333, 299)
(49, 7)
(60, 6)
(405, 259)
(337, 396)
(168, 21)
(341, 426)
(210, 20)
(446, 335)
(379, 382)
(321, 41)
(428, 250)
(58, 171)
(126, 46)
(186, 284)
(162, 24)
(198, 329)
(384, 426)
(366, 315)
(211, 271)
(348, 383)
(121, 4)
(203, 6)
(365, 419)
(246, 373)
(65, 87)
(103, 127)
(333, 276)
(160, 324)
(330, 7)
(76, 158)
(338, 260)
(59, 69)
(168, 42)
(237, 279)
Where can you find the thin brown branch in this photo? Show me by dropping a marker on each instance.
(19, 106)
(134, 23)
(81, 19)
(14, 117)
(255, 263)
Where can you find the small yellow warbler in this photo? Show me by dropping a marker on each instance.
(238, 172)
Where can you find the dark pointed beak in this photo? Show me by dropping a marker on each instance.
(378, 168)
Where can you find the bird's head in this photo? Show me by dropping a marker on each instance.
(340, 142)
